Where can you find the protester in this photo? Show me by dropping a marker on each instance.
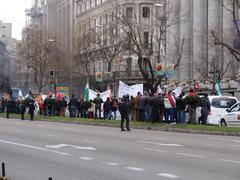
(137, 102)
(169, 104)
(22, 108)
(80, 107)
(141, 108)
(133, 109)
(98, 105)
(180, 107)
(192, 104)
(107, 107)
(114, 103)
(73, 106)
(205, 109)
(31, 109)
(124, 109)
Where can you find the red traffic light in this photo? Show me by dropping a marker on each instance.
(51, 71)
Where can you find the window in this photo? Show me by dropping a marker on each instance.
(129, 66)
(129, 12)
(90, 3)
(223, 102)
(4, 36)
(146, 12)
(3, 27)
(236, 108)
(146, 39)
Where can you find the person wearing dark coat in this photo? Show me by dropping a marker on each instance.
(180, 107)
(22, 108)
(107, 107)
(98, 105)
(205, 109)
(31, 109)
(124, 109)
(73, 106)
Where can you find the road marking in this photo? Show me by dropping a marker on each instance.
(167, 175)
(224, 139)
(230, 161)
(70, 129)
(111, 163)
(161, 144)
(68, 145)
(154, 150)
(90, 141)
(134, 169)
(34, 147)
(18, 130)
(50, 135)
(191, 155)
(18, 123)
(86, 158)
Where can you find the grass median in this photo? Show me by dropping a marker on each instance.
(203, 129)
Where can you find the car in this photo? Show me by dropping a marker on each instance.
(231, 117)
(219, 105)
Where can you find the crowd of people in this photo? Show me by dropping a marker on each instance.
(156, 108)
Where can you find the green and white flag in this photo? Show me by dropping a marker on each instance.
(86, 92)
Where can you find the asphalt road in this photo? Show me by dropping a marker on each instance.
(38, 150)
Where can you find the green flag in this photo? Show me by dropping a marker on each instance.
(86, 92)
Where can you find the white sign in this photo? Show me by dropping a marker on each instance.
(130, 90)
(103, 95)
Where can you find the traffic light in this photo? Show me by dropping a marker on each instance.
(51, 71)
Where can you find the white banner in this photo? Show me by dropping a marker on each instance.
(103, 95)
(130, 90)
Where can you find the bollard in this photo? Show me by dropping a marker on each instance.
(3, 177)
(3, 170)
(50, 178)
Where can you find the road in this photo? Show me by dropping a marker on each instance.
(38, 150)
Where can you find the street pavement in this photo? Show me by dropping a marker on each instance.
(38, 150)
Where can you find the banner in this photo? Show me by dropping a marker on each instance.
(103, 95)
(64, 92)
(130, 90)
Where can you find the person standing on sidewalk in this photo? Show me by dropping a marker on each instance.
(180, 106)
(124, 109)
(205, 109)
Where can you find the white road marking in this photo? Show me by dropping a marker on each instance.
(161, 144)
(68, 145)
(154, 150)
(34, 147)
(191, 155)
(18, 130)
(50, 135)
(91, 141)
(230, 161)
(224, 139)
(18, 123)
(167, 175)
(70, 129)
(86, 158)
(134, 169)
(111, 163)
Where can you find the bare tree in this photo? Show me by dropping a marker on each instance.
(145, 40)
(232, 6)
(39, 54)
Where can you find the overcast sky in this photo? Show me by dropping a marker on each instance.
(13, 11)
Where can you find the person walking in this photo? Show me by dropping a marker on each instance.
(205, 109)
(124, 109)
(98, 105)
(180, 107)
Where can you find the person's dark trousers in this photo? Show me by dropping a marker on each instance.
(8, 112)
(155, 115)
(31, 116)
(22, 116)
(141, 115)
(204, 119)
(73, 111)
(180, 117)
(169, 113)
(125, 117)
(97, 110)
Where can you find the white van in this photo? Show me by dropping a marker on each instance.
(219, 105)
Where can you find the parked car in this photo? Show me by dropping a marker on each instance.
(231, 117)
(219, 105)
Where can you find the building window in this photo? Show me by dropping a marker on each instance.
(100, 20)
(90, 3)
(95, 2)
(129, 66)
(129, 12)
(3, 27)
(146, 39)
(146, 12)
(4, 36)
